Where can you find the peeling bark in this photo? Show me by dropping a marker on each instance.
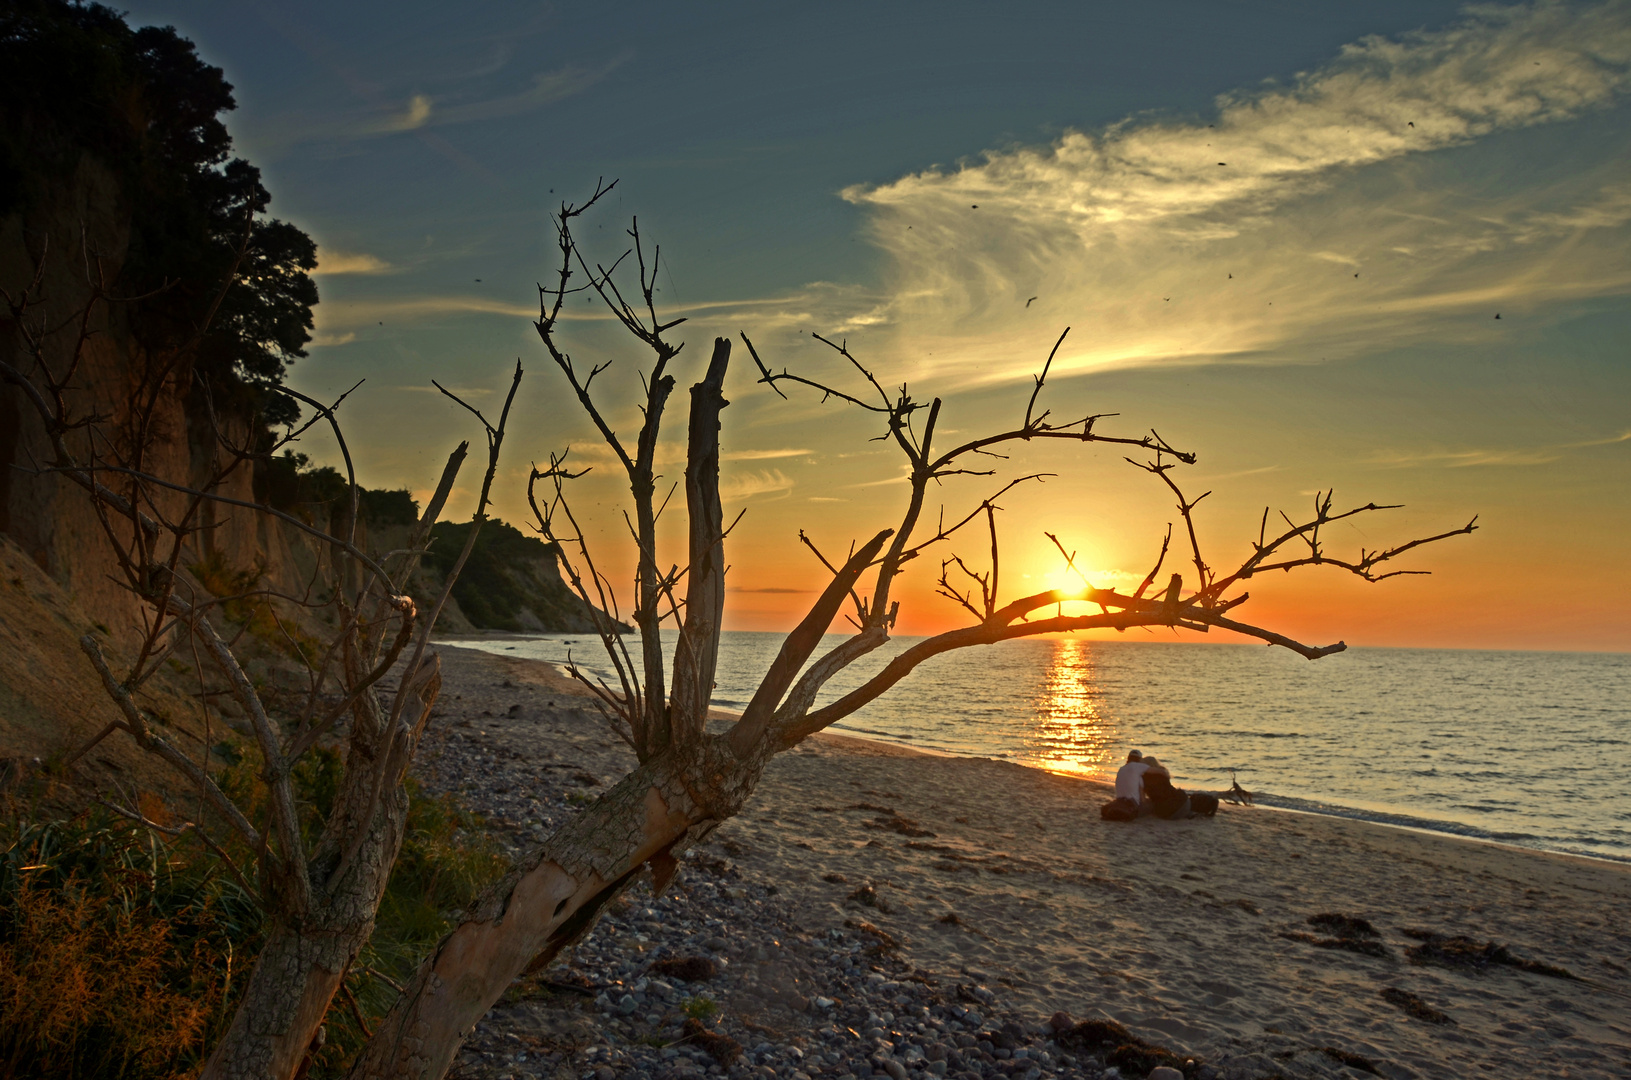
(696, 656)
(545, 905)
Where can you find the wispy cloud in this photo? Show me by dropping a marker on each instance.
(547, 88)
(1215, 477)
(417, 112)
(1624, 436)
(380, 113)
(760, 455)
(1298, 213)
(399, 309)
(821, 307)
(331, 262)
(462, 391)
(901, 479)
(1530, 455)
(325, 341)
(1457, 459)
(747, 485)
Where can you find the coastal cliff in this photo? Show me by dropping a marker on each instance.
(113, 328)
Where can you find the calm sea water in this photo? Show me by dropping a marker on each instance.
(1532, 749)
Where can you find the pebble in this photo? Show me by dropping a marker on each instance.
(824, 1003)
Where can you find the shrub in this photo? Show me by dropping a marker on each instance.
(700, 1007)
(122, 951)
(119, 953)
(248, 606)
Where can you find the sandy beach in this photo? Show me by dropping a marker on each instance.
(1004, 891)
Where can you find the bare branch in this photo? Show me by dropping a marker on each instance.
(1042, 378)
(147, 739)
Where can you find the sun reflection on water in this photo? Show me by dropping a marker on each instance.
(1072, 732)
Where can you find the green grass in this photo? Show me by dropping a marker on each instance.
(700, 1007)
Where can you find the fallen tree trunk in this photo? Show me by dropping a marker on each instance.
(550, 901)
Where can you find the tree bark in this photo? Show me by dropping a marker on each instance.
(300, 968)
(308, 951)
(550, 901)
(696, 656)
(524, 922)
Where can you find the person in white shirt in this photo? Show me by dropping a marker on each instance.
(1130, 778)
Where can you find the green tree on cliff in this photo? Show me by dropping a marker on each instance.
(78, 81)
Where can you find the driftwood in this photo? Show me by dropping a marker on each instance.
(688, 781)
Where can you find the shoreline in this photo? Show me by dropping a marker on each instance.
(523, 635)
(997, 888)
(1380, 818)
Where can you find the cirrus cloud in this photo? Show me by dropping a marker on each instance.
(1278, 227)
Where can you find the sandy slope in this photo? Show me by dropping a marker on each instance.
(1172, 928)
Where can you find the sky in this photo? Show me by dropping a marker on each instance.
(1379, 248)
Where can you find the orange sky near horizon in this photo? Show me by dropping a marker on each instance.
(1379, 248)
(1113, 516)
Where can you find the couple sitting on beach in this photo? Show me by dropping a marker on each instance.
(1144, 789)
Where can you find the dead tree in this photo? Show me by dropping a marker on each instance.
(687, 780)
(319, 897)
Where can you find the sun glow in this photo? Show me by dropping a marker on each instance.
(1065, 580)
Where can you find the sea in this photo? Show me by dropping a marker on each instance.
(1531, 749)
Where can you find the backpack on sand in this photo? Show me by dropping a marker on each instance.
(1203, 804)
(1120, 810)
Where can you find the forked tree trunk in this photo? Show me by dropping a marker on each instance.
(524, 922)
(302, 962)
(307, 954)
(669, 802)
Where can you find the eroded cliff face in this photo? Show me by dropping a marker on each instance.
(62, 322)
(65, 326)
(49, 261)
(65, 256)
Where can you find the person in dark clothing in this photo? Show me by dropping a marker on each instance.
(1165, 800)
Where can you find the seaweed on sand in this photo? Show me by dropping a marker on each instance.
(1464, 952)
(1415, 1006)
(1123, 1049)
(1353, 934)
(1345, 926)
(719, 1046)
(1352, 1060)
(1347, 944)
(689, 968)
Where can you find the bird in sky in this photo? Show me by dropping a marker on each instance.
(1028, 302)
(1497, 314)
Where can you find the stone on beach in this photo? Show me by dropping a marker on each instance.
(1168, 933)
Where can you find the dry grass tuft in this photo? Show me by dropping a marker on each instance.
(120, 972)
